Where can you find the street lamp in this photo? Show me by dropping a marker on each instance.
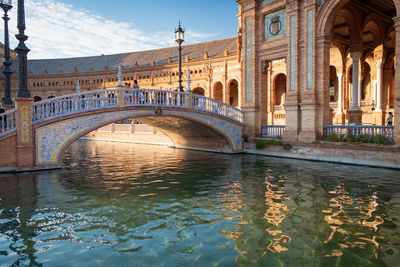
(179, 38)
(6, 6)
(22, 51)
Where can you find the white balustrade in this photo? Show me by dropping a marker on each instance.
(8, 122)
(74, 103)
(272, 131)
(104, 99)
(210, 105)
(357, 130)
(153, 97)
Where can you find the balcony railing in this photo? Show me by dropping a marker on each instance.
(272, 131)
(357, 130)
(8, 122)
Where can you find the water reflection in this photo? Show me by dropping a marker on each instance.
(347, 216)
(275, 197)
(124, 203)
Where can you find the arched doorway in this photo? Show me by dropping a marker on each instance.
(279, 99)
(218, 91)
(280, 89)
(234, 93)
(198, 91)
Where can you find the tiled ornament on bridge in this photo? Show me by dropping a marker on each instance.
(53, 138)
(232, 131)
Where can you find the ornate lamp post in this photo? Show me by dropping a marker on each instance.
(6, 6)
(22, 51)
(179, 38)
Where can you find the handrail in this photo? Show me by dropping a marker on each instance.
(211, 105)
(272, 131)
(8, 122)
(109, 98)
(154, 97)
(372, 130)
(74, 103)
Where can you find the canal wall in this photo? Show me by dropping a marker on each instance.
(384, 156)
(140, 134)
(373, 155)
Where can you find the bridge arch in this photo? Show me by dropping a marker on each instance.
(186, 129)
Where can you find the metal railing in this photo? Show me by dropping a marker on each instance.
(74, 103)
(103, 99)
(272, 131)
(357, 130)
(8, 122)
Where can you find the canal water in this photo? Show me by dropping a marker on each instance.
(135, 205)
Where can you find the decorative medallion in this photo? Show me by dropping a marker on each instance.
(275, 26)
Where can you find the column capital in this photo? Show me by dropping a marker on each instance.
(355, 47)
(379, 62)
(355, 55)
(339, 74)
(324, 39)
(378, 53)
(396, 21)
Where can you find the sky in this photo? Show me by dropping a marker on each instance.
(73, 28)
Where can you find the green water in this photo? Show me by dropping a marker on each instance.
(134, 205)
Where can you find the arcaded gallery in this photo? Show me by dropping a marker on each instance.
(308, 64)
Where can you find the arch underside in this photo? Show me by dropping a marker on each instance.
(186, 129)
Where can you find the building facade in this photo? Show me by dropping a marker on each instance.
(214, 71)
(304, 64)
(310, 63)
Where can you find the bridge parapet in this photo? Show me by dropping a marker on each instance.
(8, 122)
(74, 103)
(111, 98)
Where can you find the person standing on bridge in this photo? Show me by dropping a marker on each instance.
(390, 119)
(140, 93)
(135, 84)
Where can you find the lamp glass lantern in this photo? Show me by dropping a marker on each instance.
(6, 3)
(179, 35)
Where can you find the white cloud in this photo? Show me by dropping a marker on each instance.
(57, 30)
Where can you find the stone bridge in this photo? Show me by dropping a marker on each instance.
(35, 134)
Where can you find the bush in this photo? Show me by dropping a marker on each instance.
(333, 137)
(261, 144)
(379, 139)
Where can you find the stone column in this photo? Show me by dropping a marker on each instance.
(354, 111)
(397, 82)
(264, 100)
(25, 143)
(379, 83)
(359, 85)
(340, 93)
(270, 96)
(132, 127)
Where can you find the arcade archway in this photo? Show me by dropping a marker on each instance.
(359, 78)
(218, 91)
